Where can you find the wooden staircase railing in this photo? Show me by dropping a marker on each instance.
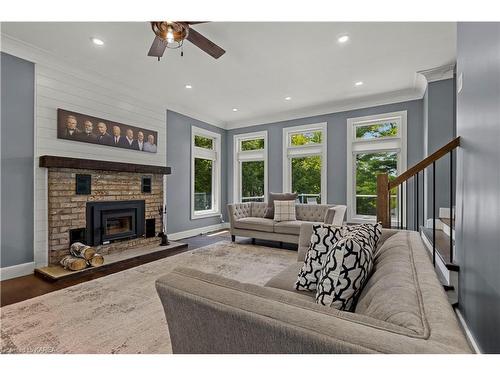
(385, 186)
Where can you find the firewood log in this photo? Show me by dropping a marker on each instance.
(96, 260)
(72, 263)
(81, 250)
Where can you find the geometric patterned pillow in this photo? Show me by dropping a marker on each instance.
(323, 239)
(372, 232)
(346, 270)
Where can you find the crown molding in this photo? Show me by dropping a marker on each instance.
(37, 55)
(333, 107)
(438, 73)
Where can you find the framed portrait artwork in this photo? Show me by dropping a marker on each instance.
(89, 129)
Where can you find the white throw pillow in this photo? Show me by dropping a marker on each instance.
(284, 211)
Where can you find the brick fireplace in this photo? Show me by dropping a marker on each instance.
(116, 187)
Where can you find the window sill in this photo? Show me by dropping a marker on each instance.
(205, 214)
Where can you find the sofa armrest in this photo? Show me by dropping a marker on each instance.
(211, 314)
(335, 215)
(238, 211)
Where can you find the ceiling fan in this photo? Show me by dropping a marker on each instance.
(172, 35)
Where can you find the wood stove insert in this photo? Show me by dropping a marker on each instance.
(110, 221)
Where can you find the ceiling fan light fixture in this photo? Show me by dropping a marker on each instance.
(170, 34)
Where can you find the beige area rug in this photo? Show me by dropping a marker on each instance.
(121, 313)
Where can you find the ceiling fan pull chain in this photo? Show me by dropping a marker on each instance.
(182, 50)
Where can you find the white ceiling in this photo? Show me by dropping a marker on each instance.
(264, 63)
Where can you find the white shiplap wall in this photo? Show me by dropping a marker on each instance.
(58, 85)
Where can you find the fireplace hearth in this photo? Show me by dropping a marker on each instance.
(111, 221)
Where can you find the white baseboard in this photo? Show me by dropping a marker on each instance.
(468, 333)
(17, 271)
(196, 231)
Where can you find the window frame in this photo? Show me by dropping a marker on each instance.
(209, 154)
(357, 146)
(240, 156)
(314, 149)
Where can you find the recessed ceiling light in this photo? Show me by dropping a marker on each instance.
(359, 83)
(288, 98)
(97, 41)
(235, 109)
(343, 38)
(188, 86)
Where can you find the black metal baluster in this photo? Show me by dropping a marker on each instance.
(423, 198)
(451, 206)
(400, 204)
(406, 205)
(434, 213)
(414, 202)
(417, 207)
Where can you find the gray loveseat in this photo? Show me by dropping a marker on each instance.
(402, 309)
(247, 220)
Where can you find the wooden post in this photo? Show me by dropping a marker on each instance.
(383, 209)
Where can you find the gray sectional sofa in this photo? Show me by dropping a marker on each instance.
(402, 309)
(247, 220)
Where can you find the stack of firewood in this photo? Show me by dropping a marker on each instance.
(81, 256)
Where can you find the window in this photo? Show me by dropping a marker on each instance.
(205, 173)
(304, 162)
(375, 144)
(250, 167)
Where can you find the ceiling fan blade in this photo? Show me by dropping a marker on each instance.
(158, 47)
(205, 44)
(194, 22)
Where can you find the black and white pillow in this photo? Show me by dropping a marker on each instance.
(346, 270)
(323, 239)
(372, 232)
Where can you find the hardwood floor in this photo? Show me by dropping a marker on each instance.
(26, 287)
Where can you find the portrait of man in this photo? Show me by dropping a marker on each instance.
(150, 146)
(72, 130)
(140, 141)
(118, 139)
(88, 132)
(131, 142)
(89, 129)
(103, 137)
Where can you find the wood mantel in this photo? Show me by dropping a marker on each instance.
(48, 161)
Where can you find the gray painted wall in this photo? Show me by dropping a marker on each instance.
(337, 146)
(478, 176)
(179, 182)
(17, 137)
(439, 129)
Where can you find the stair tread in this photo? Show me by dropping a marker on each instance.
(447, 221)
(442, 244)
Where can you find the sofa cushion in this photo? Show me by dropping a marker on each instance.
(291, 227)
(278, 197)
(312, 212)
(285, 281)
(258, 209)
(255, 223)
(392, 293)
